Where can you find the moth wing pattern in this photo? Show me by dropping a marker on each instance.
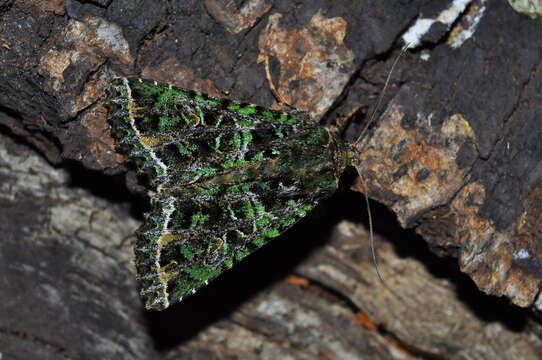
(224, 179)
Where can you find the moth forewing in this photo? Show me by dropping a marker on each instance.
(225, 178)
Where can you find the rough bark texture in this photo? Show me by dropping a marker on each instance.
(456, 155)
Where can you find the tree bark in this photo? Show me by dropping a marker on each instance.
(454, 153)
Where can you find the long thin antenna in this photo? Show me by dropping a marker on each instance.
(362, 134)
(381, 97)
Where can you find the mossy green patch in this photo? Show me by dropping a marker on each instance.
(302, 212)
(286, 119)
(287, 222)
(258, 156)
(246, 123)
(204, 171)
(233, 107)
(187, 251)
(198, 219)
(271, 233)
(248, 209)
(236, 162)
(241, 253)
(260, 208)
(204, 192)
(167, 98)
(228, 262)
(202, 272)
(266, 115)
(207, 101)
(247, 110)
(168, 123)
(264, 220)
(258, 241)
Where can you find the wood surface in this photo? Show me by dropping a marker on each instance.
(452, 163)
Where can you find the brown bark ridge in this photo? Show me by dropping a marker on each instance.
(455, 154)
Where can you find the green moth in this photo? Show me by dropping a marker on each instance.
(224, 179)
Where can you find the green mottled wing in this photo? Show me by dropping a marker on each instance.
(225, 178)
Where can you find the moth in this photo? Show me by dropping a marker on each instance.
(224, 178)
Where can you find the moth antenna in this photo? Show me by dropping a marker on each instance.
(373, 251)
(381, 97)
(361, 136)
(372, 237)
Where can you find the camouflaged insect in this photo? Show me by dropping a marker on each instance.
(224, 177)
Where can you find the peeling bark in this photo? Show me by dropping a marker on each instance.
(459, 159)
(455, 154)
